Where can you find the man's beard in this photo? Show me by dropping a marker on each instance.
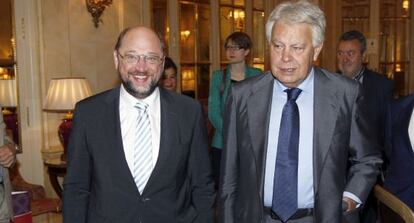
(138, 93)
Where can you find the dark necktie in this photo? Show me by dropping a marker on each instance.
(285, 195)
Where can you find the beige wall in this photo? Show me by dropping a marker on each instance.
(72, 46)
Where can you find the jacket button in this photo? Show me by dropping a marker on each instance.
(145, 199)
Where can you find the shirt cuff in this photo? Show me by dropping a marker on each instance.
(353, 197)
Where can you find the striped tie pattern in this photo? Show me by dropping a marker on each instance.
(142, 148)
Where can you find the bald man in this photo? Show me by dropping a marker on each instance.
(138, 153)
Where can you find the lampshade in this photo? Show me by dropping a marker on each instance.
(63, 93)
(8, 93)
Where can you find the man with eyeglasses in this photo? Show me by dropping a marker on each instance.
(138, 152)
(377, 89)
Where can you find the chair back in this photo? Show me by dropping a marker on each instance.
(391, 208)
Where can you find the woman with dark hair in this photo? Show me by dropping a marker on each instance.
(237, 47)
(169, 77)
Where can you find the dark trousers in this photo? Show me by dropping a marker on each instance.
(215, 161)
(268, 218)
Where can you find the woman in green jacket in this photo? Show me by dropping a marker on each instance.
(237, 47)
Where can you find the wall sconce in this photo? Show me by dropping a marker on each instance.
(238, 16)
(187, 80)
(406, 5)
(96, 8)
(4, 74)
(185, 34)
(398, 67)
(239, 19)
(62, 95)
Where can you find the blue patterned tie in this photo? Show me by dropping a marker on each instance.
(142, 148)
(285, 195)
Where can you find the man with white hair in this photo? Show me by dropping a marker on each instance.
(297, 147)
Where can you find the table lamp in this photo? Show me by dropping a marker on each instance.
(62, 95)
(8, 99)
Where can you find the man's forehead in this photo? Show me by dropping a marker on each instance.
(295, 27)
(353, 43)
(141, 39)
(141, 47)
(289, 35)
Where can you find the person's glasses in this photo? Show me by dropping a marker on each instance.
(134, 58)
(233, 47)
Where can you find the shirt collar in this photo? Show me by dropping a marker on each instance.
(360, 74)
(132, 101)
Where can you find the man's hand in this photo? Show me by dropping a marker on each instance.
(7, 155)
(351, 204)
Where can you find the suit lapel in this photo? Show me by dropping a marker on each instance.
(258, 111)
(168, 136)
(367, 81)
(113, 131)
(325, 115)
(369, 87)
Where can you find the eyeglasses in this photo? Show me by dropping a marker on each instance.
(133, 58)
(233, 47)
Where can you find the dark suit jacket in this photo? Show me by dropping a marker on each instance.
(378, 93)
(400, 178)
(99, 187)
(339, 131)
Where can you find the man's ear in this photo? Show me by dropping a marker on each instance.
(364, 57)
(116, 60)
(316, 51)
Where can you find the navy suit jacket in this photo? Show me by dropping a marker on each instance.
(378, 93)
(99, 187)
(400, 178)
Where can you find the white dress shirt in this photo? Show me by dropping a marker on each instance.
(305, 164)
(411, 130)
(128, 115)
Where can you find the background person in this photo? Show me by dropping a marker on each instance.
(137, 152)
(237, 45)
(169, 76)
(377, 90)
(290, 133)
